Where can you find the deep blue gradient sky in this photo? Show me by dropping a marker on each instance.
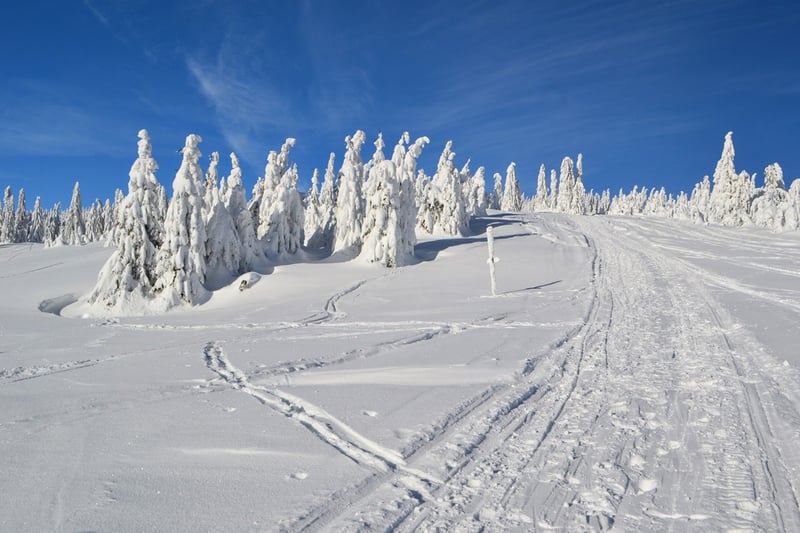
(645, 89)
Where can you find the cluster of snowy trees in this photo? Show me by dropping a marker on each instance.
(169, 252)
(209, 232)
(75, 225)
(730, 198)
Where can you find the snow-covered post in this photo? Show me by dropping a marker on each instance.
(492, 259)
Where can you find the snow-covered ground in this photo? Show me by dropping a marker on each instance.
(636, 373)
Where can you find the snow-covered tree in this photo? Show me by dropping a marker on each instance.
(552, 198)
(181, 266)
(236, 205)
(578, 205)
(496, 197)
(380, 227)
(223, 248)
(540, 200)
(390, 216)
(7, 225)
(73, 229)
(22, 219)
(52, 228)
(476, 190)
(281, 213)
(566, 187)
(285, 227)
(116, 207)
(130, 274)
(277, 165)
(37, 222)
(313, 229)
(211, 192)
(349, 211)
(512, 195)
(730, 196)
(425, 201)
(449, 211)
(327, 205)
(772, 207)
(699, 200)
(407, 177)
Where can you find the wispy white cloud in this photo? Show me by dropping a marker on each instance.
(246, 106)
(97, 13)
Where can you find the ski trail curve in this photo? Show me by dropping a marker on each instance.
(322, 424)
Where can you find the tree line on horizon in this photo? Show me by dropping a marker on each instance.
(168, 251)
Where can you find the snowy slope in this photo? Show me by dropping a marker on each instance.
(638, 373)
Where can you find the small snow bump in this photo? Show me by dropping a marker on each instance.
(299, 475)
(647, 485)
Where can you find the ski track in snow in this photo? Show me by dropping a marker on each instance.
(655, 412)
(322, 424)
(614, 427)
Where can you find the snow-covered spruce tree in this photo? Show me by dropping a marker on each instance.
(552, 198)
(477, 193)
(22, 219)
(380, 227)
(729, 198)
(408, 210)
(163, 203)
(699, 202)
(312, 227)
(390, 214)
(772, 208)
(181, 265)
(223, 249)
(497, 192)
(73, 229)
(278, 217)
(512, 196)
(130, 273)
(540, 200)
(377, 157)
(236, 205)
(683, 211)
(465, 178)
(277, 165)
(111, 236)
(285, 227)
(108, 216)
(211, 196)
(349, 212)
(793, 216)
(327, 205)
(566, 187)
(254, 205)
(52, 228)
(578, 206)
(37, 222)
(93, 221)
(7, 224)
(425, 201)
(450, 214)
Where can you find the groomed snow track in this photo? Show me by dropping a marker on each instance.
(658, 413)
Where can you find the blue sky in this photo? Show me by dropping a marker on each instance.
(646, 90)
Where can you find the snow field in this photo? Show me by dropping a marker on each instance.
(631, 373)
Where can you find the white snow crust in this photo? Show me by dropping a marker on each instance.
(640, 374)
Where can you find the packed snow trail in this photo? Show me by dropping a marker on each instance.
(659, 414)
